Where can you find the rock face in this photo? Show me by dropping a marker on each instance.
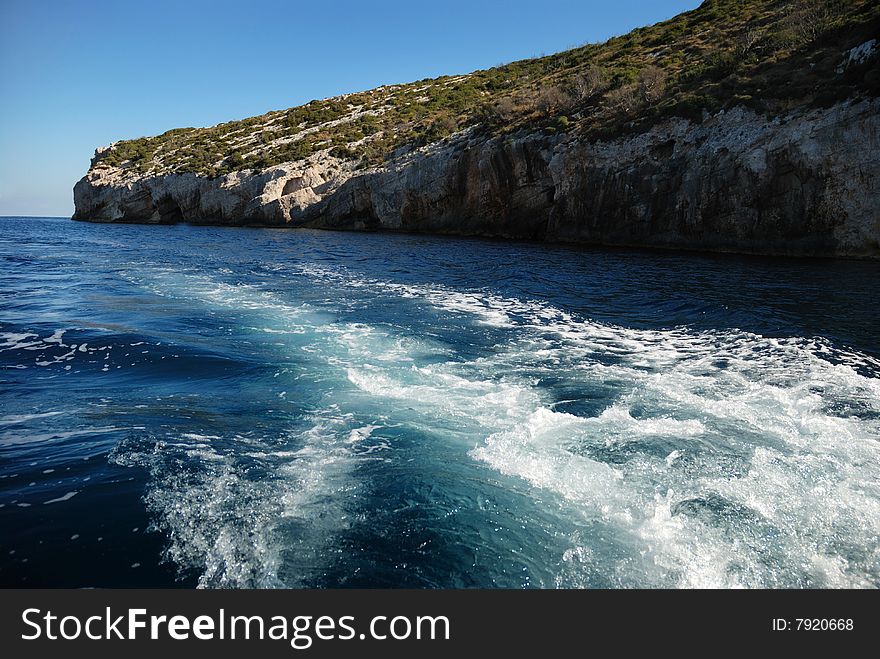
(805, 184)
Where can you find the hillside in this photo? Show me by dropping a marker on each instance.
(765, 55)
(743, 125)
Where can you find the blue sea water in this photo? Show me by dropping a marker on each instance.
(228, 407)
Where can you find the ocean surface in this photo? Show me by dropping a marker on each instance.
(225, 407)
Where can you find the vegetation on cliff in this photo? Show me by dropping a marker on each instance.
(766, 54)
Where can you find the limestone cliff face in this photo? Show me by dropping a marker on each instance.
(805, 183)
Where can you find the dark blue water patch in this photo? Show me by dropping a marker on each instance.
(210, 406)
(425, 531)
(67, 510)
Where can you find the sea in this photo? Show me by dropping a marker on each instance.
(223, 407)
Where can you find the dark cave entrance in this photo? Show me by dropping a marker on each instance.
(169, 211)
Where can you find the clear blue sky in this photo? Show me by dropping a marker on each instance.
(75, 75)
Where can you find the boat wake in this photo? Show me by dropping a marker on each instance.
(673, 458)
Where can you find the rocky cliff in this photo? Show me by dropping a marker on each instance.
(804, 183)
(802, 179)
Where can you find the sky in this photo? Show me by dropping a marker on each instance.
(75, 75)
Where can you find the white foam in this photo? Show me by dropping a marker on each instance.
(14, 419)
(230, 525)
(56, 337)
(535, 450)
(16, 341)
(65, 497)
(360, 434)
(29, 438)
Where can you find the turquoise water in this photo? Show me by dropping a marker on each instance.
(226, 407)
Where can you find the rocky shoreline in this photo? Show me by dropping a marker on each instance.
(804, 183)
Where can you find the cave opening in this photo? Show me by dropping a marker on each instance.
(169, 211)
